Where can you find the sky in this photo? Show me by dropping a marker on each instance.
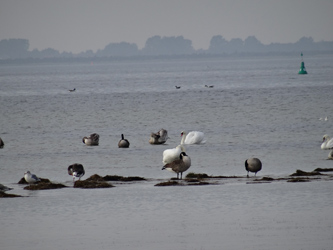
(79, 25)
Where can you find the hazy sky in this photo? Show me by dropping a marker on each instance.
(79, 25)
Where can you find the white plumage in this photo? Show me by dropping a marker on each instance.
(193, 137)
(30, 178)
(327, 142)
(172, 154)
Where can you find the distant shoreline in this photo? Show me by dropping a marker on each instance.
(159, 57)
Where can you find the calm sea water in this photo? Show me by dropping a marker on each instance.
(259, 107)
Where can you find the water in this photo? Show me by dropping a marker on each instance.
(259, 107)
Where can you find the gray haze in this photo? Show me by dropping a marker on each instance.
(80, 25)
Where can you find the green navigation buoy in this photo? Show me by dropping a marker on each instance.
(302, 70)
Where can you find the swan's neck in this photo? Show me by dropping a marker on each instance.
(183, 138)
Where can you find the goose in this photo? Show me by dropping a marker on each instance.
(76, 170)
(123, 143)
(327, 142)
(72, 90)
(253, 165)
(172, 154)
(211, 86)
(2, 144)
(180, 165)
(92, 140)
(159, 138)
(30, 178)
(193, 137)
(177, 87)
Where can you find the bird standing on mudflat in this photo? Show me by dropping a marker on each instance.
(253, 165)
(180, 165)
(76, 170)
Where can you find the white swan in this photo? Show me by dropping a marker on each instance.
(193, 137)
(327, 142)
(172, 154)
(179, 166)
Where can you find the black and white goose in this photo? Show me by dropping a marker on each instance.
(91, 140)
(76, 170)
(180, 165)
(123, 143)
(253, 165)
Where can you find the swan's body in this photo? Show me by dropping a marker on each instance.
(92, 140)
(123, 143)
(253, 165)
(170, 155)
(159, 138)
(2, 144)
(193, 137)
(330, 155)
(180, 165)
(327, 142)
(30, 178)
(76, 170)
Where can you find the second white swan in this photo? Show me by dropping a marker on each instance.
(193, 137)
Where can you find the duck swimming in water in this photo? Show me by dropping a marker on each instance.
(123, 143)
(159, 138)
(92, 140)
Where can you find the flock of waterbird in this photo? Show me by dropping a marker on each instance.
(175, 159)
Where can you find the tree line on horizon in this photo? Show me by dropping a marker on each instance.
(167, 46)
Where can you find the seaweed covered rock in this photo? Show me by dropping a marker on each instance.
(122, 178)
(192, 175)
(97, 177)
(303, 173)
(92, 184)
(44, 186)
(169, 183)
(4, 188)
(5, 195)
(323, 170)
(298, 180)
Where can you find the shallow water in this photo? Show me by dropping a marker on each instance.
(258, 107)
